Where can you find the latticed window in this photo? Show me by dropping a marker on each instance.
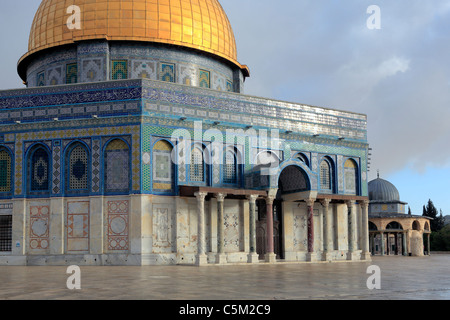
(162, 167)
(230, 168)
(5, 171)
(350, 174)
(78, 169)
(5, 233)
(197, 173)
(40, 170)
(325, 175)
(117, 166)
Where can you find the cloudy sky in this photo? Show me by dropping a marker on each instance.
(321, 52)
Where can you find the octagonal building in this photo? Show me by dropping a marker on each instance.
(133, 143)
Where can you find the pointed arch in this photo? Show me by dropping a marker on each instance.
(293, 179)
(302, 158)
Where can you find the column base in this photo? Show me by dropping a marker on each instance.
(366, 256)
(271, 257)
(201, 260)
(327, 256)
(311, 256)
(253, 258)
(221, 258)
(351, 256)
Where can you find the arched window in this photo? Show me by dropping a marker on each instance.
(117, 167)
(197, 168)
(163, 167)
(5, 171)
(372, 226)
(350, 176)
(394, 225)
(325, 176)
(39, 170)
(77, 175)
(416, 225)
(230, 174)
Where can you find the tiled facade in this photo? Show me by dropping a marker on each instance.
(145, 151)
(102, 61)
(123, 143)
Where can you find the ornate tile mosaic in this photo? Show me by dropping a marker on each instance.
(119, 69)
(39, 227)
(167, 72)
(117, 233)
(72, 73)
(77, 226)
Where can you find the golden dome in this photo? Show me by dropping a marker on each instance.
(197, 24)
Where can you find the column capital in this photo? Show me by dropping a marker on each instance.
(270, 199)
(310, 202)
(350, 203)
(220, 197)
(325, 202)
(364, 203)
(200, 195)
(252, 197)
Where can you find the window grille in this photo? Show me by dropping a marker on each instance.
(325, 177)
(5, 233)
(197, 173)
(5, 171)
(229, 169)
(78, 169)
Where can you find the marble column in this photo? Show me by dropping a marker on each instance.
(311, 255)
(270, 254)
(253, 257)
(365, 247)
(404, 247)
(428, 244)
(382, 243)
(201, 258)
(352, 231)
(327, 241)
(221, 256)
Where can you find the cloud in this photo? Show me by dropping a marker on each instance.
(322, 53)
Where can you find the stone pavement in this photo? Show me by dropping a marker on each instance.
(425, 278)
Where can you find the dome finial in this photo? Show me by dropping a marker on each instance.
(378, 173)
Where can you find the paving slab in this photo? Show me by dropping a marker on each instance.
(402, 278)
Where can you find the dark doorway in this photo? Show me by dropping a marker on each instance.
(261, 227)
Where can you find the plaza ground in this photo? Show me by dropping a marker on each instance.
(425, 278)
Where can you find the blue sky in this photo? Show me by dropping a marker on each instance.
(320, 52)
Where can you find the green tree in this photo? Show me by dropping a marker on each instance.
(440, 241)
(437, 222)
